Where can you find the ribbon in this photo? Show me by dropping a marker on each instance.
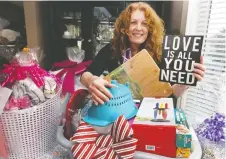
(91, 145)
(16, 72)
(70, 69)
(213, 128)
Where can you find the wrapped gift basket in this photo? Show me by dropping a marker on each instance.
(29, 131)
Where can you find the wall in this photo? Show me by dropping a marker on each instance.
(34, 26)
(175, 16)
(18, 3)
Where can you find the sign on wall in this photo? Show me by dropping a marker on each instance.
(178, 57)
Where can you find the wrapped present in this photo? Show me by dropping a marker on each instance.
(38, 91)
(30, 83)
(180, 117)
(71, 69)
(212, 128)
(183, 134)
(183, 137)
(211, 134)
(118, 144)
(155, 128)
(69, 72)
(183, 152)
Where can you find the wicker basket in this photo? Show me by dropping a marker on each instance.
(31, 133)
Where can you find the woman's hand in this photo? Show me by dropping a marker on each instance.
(199, 72)
(199, 69)
(99, 92)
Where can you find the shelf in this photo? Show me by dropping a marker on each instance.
(72, 18)
(104, 42)
(106, 22)
(72, 38)
(67, 17)
(1, 45)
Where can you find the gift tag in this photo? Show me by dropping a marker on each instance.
(4, 96)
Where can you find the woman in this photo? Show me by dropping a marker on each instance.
(137, 27)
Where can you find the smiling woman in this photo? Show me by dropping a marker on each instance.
(138, 30)
(137, 27)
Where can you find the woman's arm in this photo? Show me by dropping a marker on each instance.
(96, 85)
(87, 78)
(178, 89)
(101, 61)
(99, 64)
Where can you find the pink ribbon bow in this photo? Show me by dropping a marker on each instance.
(15, 72)
(91, 145)
(70, 69)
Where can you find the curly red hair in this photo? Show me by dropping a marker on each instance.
(156, 31)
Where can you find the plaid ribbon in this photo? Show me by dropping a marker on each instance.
(91, 145)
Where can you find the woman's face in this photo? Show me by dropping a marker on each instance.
(138, 29)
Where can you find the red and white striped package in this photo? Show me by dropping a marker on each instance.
(91, 145)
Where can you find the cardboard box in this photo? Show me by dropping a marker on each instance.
(183, 140)
(183, 152)
(183, 134)
(180, 117)
(155, 127)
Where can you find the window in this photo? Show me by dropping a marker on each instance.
(208, 18)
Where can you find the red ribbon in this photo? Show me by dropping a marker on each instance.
(16, 72)
(70, 69)
(91, 145)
